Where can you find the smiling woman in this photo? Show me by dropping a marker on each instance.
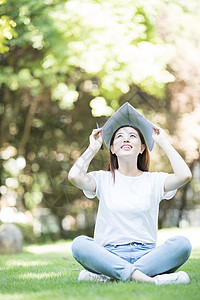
(124, 244)
(126, 138)
(130, 140)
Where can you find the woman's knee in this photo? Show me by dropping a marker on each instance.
(78, 244)
(182, 244)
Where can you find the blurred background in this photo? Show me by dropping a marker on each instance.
(65, 65)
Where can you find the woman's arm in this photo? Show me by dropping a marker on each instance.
(182, 173)
(78, 173)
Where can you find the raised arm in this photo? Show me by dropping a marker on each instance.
(78, 175)
(182, 173)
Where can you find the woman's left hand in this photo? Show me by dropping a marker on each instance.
(182, 173)
(158, 135)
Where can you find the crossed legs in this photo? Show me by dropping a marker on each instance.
(163, 259)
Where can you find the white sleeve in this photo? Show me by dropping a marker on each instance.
(159, 184)
(97, 177)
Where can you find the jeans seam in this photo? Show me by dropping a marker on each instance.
(124, 276)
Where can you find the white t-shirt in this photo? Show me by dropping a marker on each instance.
(128, 209)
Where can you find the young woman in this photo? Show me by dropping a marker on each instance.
(124, 244)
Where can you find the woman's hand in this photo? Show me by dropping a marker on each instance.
(182, 173)
(96, 139)
(78, 173)
(158, 135)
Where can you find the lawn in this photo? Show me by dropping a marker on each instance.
(50, 272)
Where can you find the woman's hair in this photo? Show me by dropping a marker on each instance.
(143, 162)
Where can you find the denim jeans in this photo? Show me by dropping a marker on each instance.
(119, 261)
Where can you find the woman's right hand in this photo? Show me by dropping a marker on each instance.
(96, 139)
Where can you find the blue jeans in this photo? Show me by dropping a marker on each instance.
(119, 261)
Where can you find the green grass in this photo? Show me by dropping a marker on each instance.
(50, 272)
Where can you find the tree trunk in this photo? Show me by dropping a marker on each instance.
(3, 116)
(27, 126)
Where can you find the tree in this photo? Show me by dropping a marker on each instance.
(68, 64)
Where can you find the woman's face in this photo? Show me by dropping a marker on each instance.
(127, 142)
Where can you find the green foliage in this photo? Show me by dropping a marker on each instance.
(109, 41)
(7, 31)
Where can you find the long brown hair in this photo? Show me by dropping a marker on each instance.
(143, 162)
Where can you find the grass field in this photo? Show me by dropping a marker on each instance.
(49, 272)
